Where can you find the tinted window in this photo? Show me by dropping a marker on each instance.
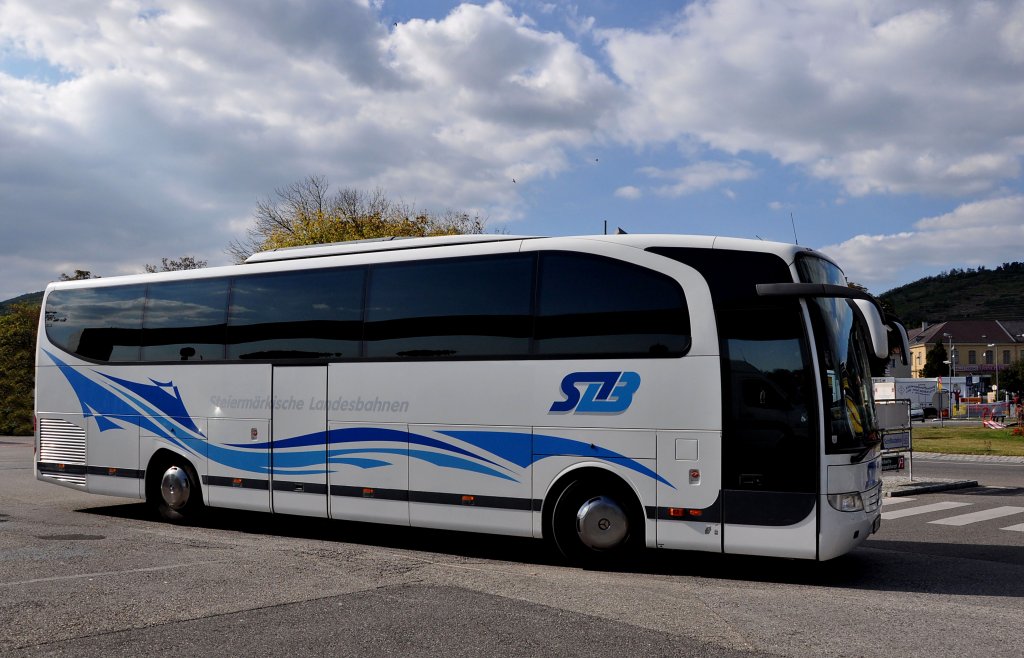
(297, 315)
(450, 308)
(770, 437)
(589, 305)
(817, 270)
(732, 275)
(845, 361)
(184, 320)
(97, 323)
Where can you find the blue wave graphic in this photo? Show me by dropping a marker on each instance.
(517, 448)
(156, 395)
(154, 408)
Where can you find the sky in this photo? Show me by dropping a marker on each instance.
(888, 134)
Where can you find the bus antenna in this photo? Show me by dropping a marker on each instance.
(793, 223)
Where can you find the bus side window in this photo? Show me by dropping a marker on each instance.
(308, 314)
(589, 305)
(184, 320)
(103, 324)
(463, 307)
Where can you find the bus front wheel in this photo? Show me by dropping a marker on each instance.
(173, 490)
(594, 522)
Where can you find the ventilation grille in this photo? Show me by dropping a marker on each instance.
(61, 442)
(873, 498)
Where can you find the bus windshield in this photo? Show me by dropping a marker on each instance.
(842, 344)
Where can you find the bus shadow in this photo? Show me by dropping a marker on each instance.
(449, 542)
(879, 565)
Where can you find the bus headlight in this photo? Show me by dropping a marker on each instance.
(846, 502)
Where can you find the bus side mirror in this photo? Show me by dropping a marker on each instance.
(876, 328)
(898, 339)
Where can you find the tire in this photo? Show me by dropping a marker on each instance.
(173, 491)
(595, 522)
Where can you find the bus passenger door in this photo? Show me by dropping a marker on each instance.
(770, 436)
(299, 447)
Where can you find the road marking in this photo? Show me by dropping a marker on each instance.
(983, 515)
(896, 501)
(922, 509)
(105, 574)
(1015, 528)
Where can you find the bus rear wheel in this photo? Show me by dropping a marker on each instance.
(594, 522)
(173, 491)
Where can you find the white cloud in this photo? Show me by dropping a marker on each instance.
(160, 123)
(629, 192)
(699, 177)
(174, 120)
(977, 233)
(882, 97)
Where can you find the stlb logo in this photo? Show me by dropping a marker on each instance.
(597, 392)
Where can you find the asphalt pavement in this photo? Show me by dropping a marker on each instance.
(87, 575)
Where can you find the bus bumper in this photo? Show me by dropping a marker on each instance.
(842, 531)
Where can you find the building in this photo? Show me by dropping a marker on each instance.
(980, 348)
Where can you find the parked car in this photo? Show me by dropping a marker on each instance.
(917, 412)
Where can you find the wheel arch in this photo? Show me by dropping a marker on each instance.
(593, 472)
(158, 462)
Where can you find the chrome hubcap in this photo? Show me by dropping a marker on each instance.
(175, 487)
(602, 524)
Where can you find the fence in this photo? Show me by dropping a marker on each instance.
(984, 410)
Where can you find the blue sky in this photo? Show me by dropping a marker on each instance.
(891, 132)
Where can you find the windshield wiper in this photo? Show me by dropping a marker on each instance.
(856, 457)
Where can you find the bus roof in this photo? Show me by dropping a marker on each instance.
(640, 241)
(373, 244)
(281, 257)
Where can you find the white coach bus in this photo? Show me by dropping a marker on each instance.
(605, 392)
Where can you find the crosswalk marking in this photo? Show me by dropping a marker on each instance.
(921, 509)
(896, 501)
(982, 515)
(1016, 528)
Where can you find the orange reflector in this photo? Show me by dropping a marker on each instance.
(694, 474)
(676, 512)
(111, 471)
(368, 492)
(236, 481)
(468, 500)
(695, 512)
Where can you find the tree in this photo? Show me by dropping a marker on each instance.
(79, 275)
(1012, 378)
(17, 367)
(933, 362)
(171, 265)
(308, 213)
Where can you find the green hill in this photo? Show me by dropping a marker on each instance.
(971, 294)
(31, 298)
